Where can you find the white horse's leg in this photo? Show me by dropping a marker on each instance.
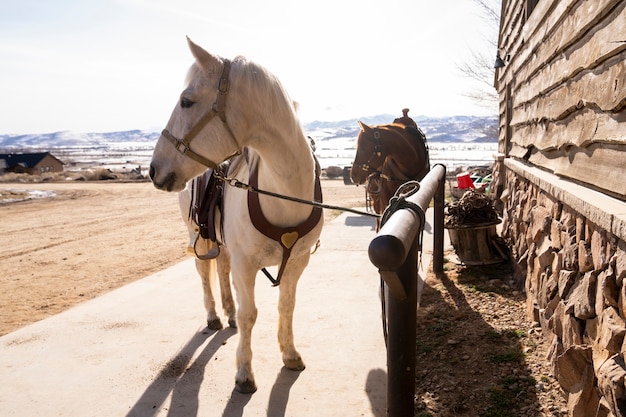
(223, 271)
(207, 271)
(206, 268)
(243, 279)
(286, 306)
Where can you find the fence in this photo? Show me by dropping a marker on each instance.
(394, 251)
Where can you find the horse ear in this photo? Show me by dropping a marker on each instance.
(205, 59)
(364, 127)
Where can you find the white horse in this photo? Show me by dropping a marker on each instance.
(228, 108)
(208, 269)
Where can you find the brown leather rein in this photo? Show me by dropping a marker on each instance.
(218, 109)
(377, 152)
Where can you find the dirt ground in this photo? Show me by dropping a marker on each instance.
(70, 242)
(477, 352)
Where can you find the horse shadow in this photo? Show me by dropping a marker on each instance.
(375, 386)
(181, 378)
(278, 400)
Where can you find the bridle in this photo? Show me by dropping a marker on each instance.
(217, 109)
(378, 151)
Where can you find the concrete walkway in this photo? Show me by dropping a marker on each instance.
(143, 350)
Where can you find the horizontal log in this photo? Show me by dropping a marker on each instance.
(603, 86)
(506, 14)
(568, 23)
(603, 89)
(587, 53)
(532, 36)
(545, 14)
(581, 129)
(517, 151)
(601, 166)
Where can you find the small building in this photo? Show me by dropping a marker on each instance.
(30, 163)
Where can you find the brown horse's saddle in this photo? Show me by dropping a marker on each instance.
(418, 133)
(411, 126)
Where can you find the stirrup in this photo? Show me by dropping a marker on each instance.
(214, 248)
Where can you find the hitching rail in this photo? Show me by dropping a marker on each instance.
(394, 251)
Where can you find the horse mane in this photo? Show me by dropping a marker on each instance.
(268, 95)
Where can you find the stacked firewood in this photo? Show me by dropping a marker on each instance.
(474, 208)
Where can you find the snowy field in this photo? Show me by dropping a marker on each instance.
(452, 155)
(329, 153)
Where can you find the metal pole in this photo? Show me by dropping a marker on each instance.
(438, 231)
(401, 326)
(394, 251)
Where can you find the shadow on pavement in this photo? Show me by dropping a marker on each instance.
(376, 389)
(361, 221)
(180, 378)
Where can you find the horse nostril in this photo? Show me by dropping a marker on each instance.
(151, 172)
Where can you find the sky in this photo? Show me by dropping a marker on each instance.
(112, 65)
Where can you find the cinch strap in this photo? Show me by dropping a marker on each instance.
(285, 236)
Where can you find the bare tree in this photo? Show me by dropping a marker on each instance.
(490, 11)
(479, 66)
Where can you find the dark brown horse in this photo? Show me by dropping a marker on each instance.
(388, 156)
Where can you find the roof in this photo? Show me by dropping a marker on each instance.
(27, 160)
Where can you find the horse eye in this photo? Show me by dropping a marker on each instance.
(186, 103)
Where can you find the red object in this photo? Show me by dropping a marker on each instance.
(464, 181)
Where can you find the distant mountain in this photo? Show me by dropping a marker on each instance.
(460, 128)
(69, 139)
(437, 129)
(370, 120)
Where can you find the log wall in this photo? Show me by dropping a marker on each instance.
(563, 89)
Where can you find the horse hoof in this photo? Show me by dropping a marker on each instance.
(245, 387)
(294, 364)
(232, 323)
(214, 324)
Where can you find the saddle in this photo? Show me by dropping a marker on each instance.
(411, 126)
(418, 133)
(207, 192)
(207, 196)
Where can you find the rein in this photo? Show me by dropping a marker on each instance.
(378, 151)
(218, 109)
(234, 182)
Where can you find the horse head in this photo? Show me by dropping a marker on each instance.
(197, 134)
(369, 154)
